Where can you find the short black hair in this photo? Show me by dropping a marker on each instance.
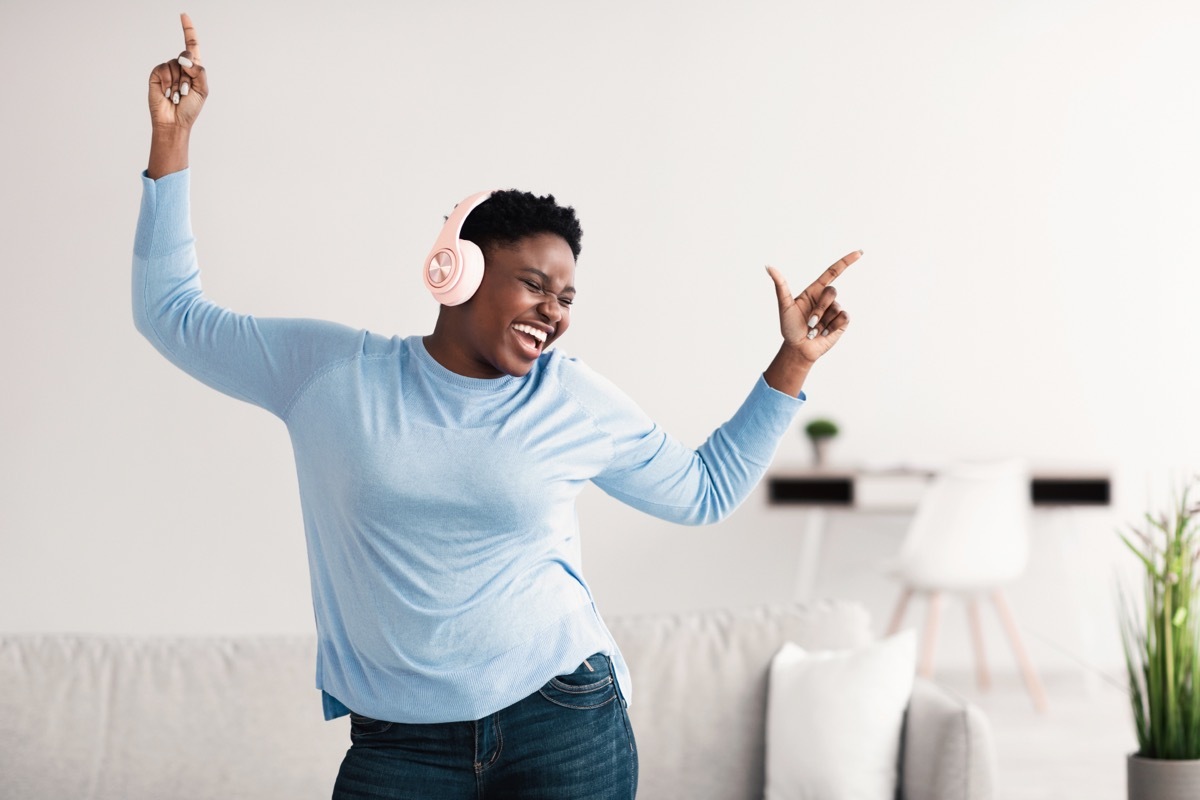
(510, 215)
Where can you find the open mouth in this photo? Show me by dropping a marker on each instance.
(532, 339)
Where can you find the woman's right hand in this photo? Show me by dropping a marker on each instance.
(179, 87)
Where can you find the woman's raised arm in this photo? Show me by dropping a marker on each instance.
(261, 361)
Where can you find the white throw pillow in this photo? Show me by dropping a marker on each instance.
(834, 720)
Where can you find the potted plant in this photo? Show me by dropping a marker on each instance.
(1162, 654)
(820, 432)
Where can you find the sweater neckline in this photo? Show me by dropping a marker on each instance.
(444, 375)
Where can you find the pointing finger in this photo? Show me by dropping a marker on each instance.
(191, 44)
(835, 269)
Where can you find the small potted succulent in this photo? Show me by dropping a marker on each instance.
(1161, 638)
(820, 432)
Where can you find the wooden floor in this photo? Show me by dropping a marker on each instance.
(1076, 749)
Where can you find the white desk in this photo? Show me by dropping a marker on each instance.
(900, 489)
(865, 489)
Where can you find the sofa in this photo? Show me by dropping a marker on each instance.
(148, 718)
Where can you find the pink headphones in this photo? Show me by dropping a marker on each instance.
(454, 267)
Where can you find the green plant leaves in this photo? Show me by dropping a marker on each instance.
(1161, 640)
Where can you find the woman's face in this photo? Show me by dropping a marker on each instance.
(520, 308)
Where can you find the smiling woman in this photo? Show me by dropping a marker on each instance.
(438, 476)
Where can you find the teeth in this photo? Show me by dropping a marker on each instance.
(536, 333)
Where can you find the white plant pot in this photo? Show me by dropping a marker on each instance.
(1162, 779)
(820, 448)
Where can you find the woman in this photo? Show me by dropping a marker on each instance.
(438, 476)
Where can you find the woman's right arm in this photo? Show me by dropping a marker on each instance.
(262, 361)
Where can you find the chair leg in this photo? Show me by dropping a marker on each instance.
(982, 678)
(1032, 683)
(898, 614)
(932, 622)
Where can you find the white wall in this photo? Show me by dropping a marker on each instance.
(1022, 175)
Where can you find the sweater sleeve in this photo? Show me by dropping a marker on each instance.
(655, 473)
(262, 361)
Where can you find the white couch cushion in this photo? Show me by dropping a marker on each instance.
(114, 718)
(700, 691)
(835, 719)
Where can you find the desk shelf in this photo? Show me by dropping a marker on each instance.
(844, 489)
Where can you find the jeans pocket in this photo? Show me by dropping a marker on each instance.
(589, 686)
(365, 726)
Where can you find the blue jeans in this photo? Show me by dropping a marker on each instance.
(569, 740)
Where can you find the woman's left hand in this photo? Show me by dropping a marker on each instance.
(812, 321)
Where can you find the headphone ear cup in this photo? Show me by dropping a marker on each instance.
(454, 267)
(470, 275)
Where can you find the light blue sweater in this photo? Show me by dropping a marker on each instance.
(439, 510)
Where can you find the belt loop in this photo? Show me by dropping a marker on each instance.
(612, 671)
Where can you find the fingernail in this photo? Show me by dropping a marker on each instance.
(825, 332)
(184, 61)
(175, 98)
(860, 252)
(167, 93)
(813, 320)
(183, 90)
(812, 334)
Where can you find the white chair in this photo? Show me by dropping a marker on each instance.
(969, 537)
